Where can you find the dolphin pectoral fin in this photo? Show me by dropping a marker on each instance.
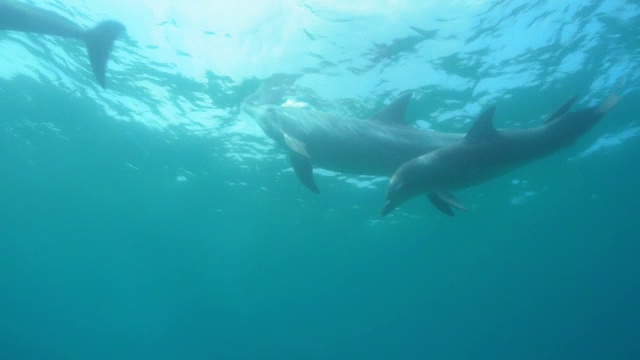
(451, 200)
(482, 128)
(440, 204)
(304, 171)
(444, 201)
(394, 112)
(296, 145)
(99, 42)
(300, 162)
(562, 109)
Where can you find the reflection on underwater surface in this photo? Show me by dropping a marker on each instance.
(154, 219)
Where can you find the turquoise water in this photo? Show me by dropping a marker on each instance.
(154, 220)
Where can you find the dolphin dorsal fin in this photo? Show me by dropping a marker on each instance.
(562, 109)
(483, 128)
(394, 112)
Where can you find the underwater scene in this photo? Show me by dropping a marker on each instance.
(289, 179)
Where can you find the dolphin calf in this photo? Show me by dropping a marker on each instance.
(15, 16)
(377, 146)
(486, 153)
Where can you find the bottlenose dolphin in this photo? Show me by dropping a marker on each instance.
(15, 16)
(486, 153)
(345, 144)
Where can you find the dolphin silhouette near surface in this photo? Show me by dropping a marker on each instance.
(15, 16)
(377, 146)
(486, 153)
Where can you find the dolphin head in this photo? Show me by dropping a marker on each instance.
(406, 183)
(426, 174)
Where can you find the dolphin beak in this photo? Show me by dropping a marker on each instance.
(388, 207)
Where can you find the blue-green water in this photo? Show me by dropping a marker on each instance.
(153, 220)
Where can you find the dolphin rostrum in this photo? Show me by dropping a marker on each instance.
(486, 153)
(345, 144)
(15, 16)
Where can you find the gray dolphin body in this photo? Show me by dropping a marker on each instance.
(15, 16)
(486, 153)
(377, 146)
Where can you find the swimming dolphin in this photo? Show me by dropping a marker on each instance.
(15, 16)
(345, 144)
(486, 153)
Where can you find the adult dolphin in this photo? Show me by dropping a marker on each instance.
(15, 16)
(345, 144)
(486, 153)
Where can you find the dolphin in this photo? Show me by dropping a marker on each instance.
(344, 144)
(15, 16)
(486, 153)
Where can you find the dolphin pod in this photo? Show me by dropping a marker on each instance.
(15, 16)
(420, 161)
(486, 153)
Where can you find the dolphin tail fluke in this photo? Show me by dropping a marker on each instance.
(99, 42)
